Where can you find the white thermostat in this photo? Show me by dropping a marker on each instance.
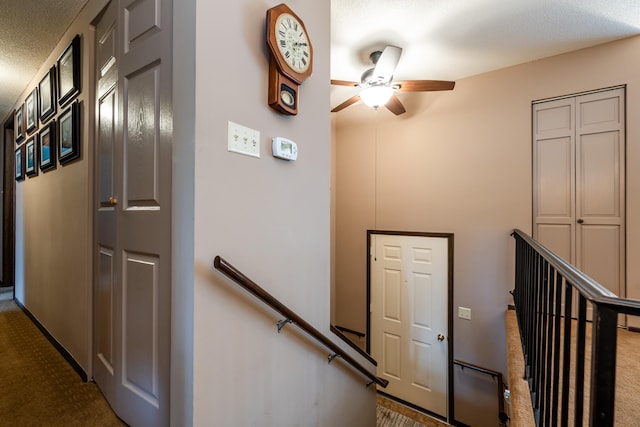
(284, 148)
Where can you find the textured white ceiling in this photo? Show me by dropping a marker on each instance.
(442, 39)
(452, 39)
(29, 31)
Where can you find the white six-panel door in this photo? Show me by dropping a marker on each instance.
(409, 317)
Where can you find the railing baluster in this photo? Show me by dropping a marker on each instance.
(557, 324)
(566, 353)
(526, 309)
(532, 317)
(518, 272)
(537, 343)
(543, 333)
(580, 354)
(553, 289)
(603, 366)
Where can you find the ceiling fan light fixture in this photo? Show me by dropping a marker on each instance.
(375, 96)
(377, 87)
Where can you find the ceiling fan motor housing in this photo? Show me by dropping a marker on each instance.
(366, 76)
(378, 81)
(368, 79)
(375, 55)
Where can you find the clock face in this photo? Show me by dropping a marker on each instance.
(293, 42)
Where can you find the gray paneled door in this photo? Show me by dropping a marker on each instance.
(579, 182)
(133, 209)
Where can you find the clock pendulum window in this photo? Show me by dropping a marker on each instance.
(291, 58)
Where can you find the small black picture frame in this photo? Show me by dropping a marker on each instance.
(47, 147)
(18, 120)
(31, 111)
(69, 72)
(31, 156)
(20, 163)
(47, 91)
(69, 134)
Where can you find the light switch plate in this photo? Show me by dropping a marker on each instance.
(464, 313)
(243, 140)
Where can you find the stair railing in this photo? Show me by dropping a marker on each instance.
(545, 286)
(291, 317)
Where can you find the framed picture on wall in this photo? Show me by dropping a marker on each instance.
(69, 134)
(47, 147)
(69, 72)
(31, 111)
(31, 156)
(18, 120)
(20, 163)
(47, 91)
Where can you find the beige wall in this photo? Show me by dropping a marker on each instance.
(53, 222)
(460, 162)
(271, 219)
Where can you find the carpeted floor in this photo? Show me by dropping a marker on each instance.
(387, 418)
(37, 386)
(627, 399)
(390, 413)
(627, 394)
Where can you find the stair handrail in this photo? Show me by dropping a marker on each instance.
(502, 415)
(291, 317)
(593, 291)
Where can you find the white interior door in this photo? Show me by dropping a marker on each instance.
(409, 317)
(132, 297)
(579, 186)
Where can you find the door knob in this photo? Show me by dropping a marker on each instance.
(440, 337)
(580, 221)
(113, 201)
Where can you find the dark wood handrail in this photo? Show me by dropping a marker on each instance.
(494, 374)
(248, 284)
(349, 331)
(593, 291)
(336, 330)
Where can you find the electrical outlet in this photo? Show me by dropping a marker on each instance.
(464, 313)
(243, 140)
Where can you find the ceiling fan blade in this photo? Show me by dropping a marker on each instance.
(344, 83)
(423, 85)
(345, 104)
(395, 106)
(387, 63)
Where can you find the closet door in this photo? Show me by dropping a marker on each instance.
(578, 183)
(554, 176)
(600, 188)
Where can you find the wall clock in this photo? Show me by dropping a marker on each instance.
(291, 58)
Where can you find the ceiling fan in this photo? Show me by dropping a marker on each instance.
(377, 85)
